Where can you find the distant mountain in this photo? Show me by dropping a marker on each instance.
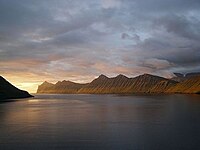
(8, 91)
(64, 87)
(182, 77)
(178, 77)
(193, 74)
(117, 85)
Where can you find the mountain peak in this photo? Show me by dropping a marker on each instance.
(120, 76)
(64, 81)
(149, 75)
(146, 75)
(58, 82)
(46, 83)
(102, 76)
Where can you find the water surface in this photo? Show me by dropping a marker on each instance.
(105, 122)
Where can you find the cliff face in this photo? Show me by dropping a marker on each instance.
(64, 87)
(163, 86)
(105, 85)
(150, 84)
(189, 85)
(8, 91)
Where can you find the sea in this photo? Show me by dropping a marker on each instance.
(101, 122)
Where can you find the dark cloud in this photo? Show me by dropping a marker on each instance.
(133, 37)
(78, 40)
(181, 26)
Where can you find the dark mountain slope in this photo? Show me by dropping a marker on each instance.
(8, 91)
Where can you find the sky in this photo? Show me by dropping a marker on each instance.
(77, 40)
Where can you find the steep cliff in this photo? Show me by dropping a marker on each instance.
(190, 85)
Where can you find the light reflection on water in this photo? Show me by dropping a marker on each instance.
(101, 122)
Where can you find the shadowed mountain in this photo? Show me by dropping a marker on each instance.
(117, 85)
(179, 77)
(182, 77)
(64, 87)
(193, 74)
(8, 91)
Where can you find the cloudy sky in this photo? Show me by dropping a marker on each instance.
(78, 40)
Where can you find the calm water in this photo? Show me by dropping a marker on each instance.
(106, 122)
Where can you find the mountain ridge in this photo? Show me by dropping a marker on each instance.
(61, 87)
(122, 84)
